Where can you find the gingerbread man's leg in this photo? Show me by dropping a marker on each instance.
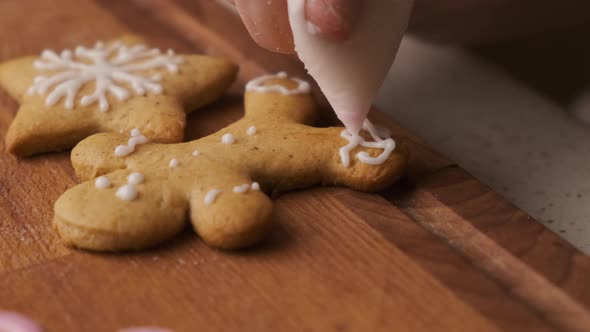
(228, 209)
(125, 211)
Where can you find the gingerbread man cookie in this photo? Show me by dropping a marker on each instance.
(142, 198)
(111, 87)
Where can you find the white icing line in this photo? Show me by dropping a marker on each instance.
(255, 186)
(135, 178)
(107, 66)
(173, 163)
(257, 85)
(196, 153)
(136, 139)
(388, 145)
(228, 139)
(127, 192)
(102, 182)
(241, 188)
(211, 196)
(135, 132)
(251, 130)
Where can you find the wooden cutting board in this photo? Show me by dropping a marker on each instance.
(438, 251)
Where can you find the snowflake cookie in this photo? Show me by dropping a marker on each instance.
(109, 87)
(136, 200)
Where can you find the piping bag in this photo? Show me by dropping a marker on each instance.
(350, 73)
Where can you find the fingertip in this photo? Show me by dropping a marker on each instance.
(332, 19)
(268, 23)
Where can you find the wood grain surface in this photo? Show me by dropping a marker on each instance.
(438, 251)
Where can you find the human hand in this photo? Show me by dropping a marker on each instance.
(268, 22)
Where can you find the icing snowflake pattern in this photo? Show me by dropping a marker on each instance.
(108, 66)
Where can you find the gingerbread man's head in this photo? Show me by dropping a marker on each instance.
(137, 194)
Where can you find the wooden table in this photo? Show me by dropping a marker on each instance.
(439, 251)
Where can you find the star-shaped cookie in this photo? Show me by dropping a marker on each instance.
(110, 87)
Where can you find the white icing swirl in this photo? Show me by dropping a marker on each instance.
(228, 139)
(107, 66)
(102, 182)
(251, 131)
(387, 144)
(136, 139)
(257, 85)
(211, 196)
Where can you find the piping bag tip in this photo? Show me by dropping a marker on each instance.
(353, 121)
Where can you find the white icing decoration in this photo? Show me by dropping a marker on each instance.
(227, 139)
(211, 195)
(135, 132)
(255, 186)
(135, 139)
(257, 85)
(108, 66)
(127, 192)
(102, 182)
(135, 178)
(241, 188)
(196, 153)
(388, 145)
(251, 130)
(173, 162)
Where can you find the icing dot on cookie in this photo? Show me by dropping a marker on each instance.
(122, 150)
(127, 192)
(173, 162)
(196, 153)
(211, 196)
(228, 139)
(241, 188)
(255, 186)
(135, 178)
(251, 130)
(102, 182)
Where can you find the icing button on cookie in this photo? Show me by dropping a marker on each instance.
(228, 139)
